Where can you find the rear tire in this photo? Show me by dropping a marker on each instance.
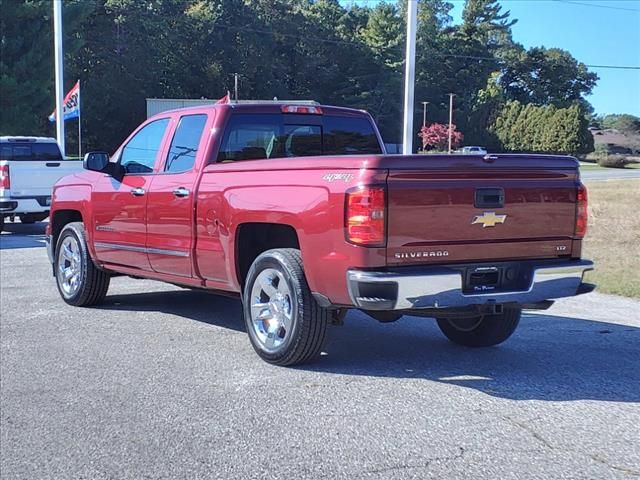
(79, 281)
(481, 331)
(285, 324)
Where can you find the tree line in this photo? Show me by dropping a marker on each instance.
(124, 51)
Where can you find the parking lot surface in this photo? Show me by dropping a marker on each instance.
(161, 382)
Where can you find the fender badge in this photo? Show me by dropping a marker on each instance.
(489, 219)
(333, 177)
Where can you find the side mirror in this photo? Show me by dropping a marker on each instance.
(95, 161)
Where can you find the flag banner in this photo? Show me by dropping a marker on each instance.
(224, 99)
(71, 107)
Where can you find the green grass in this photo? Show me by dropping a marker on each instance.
(591, 166)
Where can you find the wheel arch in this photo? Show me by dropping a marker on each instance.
(254, 238)
(60, 218)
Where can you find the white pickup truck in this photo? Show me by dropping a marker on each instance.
(29, 167)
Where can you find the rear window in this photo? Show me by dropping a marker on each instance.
(263, 136)
(30, 151)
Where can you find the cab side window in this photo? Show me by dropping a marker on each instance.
(139, 155)
(184, 146)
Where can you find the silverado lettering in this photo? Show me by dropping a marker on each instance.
(440, 253)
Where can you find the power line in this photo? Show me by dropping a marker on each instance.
(588, 4)
(347, 42)
(619, 67)
(435, 54)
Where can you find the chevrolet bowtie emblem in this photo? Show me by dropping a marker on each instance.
(489, 219)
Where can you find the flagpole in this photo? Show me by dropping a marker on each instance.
(79, 122)
(409, 77)
(59, 68)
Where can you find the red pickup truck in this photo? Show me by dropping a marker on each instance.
(296, 208)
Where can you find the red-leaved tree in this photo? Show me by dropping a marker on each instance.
(436, 136)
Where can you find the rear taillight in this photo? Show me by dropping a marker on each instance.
(365, 221)
(582, 213)
(5, 181)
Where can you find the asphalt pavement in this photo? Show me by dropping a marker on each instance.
(161, 382)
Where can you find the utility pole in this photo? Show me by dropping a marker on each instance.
(59, 69)
(424, 114)
(235, 85)
(451, 95)
(409, 78)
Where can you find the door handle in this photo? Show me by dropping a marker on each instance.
(137, 192)
(181, 192)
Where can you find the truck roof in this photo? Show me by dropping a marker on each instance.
(265, 106)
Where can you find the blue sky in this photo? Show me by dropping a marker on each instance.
(593, 34)
(596, 32)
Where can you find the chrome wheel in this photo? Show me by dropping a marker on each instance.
(272, 310)
(69, 266)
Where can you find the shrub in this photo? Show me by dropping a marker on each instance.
(613, 161)
(548, 129)
(436, 136)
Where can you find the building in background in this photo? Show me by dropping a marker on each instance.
(157, 105)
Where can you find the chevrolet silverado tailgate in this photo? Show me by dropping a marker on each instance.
(455, 208)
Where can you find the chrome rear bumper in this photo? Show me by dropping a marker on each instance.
(443, 286)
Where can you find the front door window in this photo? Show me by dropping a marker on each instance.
(139, 155)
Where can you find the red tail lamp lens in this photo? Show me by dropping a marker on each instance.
(582, 213)
(5, 181)
(365, 216)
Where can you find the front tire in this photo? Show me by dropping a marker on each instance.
(481, 331)
(79, 281)
(285, 324)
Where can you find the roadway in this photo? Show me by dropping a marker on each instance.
(161, 382)
(609, 174)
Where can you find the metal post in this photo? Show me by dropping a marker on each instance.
(409, 79)
(235, 85)
(424, 114)
(451, 95)
(59, 69)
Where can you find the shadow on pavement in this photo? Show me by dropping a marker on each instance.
(195, 305)
(18, 235)
(548, 358)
